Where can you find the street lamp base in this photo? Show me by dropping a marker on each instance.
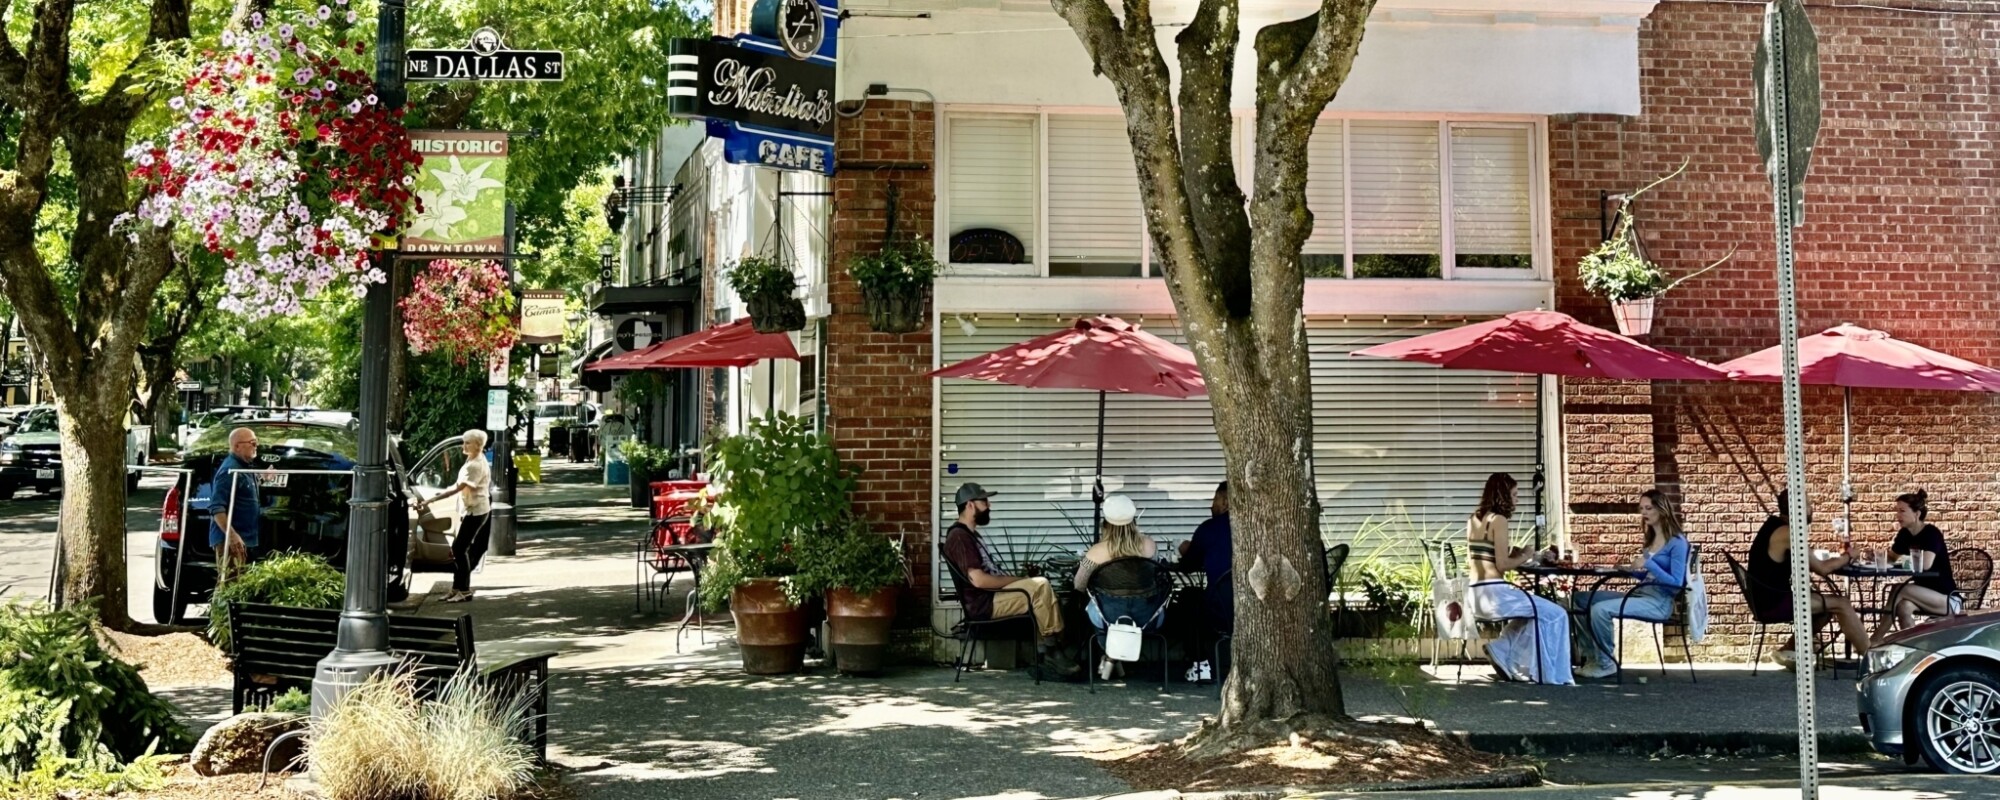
(341, 673)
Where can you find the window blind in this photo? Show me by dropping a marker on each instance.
(1406, 446)
(1326, 197)
(1396, 200)
(993, 177)
(1490, 180)
(1094, 209)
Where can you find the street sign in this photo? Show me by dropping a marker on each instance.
(1787, 68)
(485, 59)
(496, 409)
(190, 386)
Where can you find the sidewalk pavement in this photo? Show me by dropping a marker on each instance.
(634, 719)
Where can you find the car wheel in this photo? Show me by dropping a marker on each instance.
(7, 491)
(131, 482)
(168, 609)
(1957, 720)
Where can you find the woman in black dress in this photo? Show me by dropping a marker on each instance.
(1931, 594)
(1770, 587)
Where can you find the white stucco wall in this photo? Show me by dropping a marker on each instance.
(1461, 56)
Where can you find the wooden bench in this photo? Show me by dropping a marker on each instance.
(278, 648)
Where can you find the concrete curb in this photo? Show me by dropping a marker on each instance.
(1517, 777)
(1545, 744)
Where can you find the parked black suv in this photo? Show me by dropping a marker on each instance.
(302, 513)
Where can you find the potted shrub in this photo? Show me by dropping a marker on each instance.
(860, 572)
(780, 482)
(766, 286)
(1619, 271)
(644, 464)
(895, 281)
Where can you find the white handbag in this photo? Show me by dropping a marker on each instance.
(1123, 640)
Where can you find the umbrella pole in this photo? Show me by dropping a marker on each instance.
(1097, 486)
(1541, 518)
(1846, 453)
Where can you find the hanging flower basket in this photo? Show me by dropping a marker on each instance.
(895, 281)
(1635, 317)
(461, 309)
(279, 158)
(766, 286)
(891, 312)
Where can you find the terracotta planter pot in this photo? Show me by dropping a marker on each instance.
(770, 630)
(861, 628)
(1635, 317)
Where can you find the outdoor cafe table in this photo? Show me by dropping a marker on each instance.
(697, 558)
(1604, 573)
(1870, 585)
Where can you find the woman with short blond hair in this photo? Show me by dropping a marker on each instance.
(475, 529)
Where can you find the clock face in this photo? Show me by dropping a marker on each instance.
(800, 28)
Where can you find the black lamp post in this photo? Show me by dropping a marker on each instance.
(362, 646)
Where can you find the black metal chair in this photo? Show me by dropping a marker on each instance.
(1972, 570)
(1765, 618)
(1335, 561)
(1134, 577)
(1677, 614)
(969, 631)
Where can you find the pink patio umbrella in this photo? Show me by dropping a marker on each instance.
(1106, 354)
(1545, 343)
(1853, 357)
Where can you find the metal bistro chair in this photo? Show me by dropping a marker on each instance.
(1335, 561)
(1130, 577)
(1676, 615)
(1764, 618)
(1972, 570)
(1444, 565)
(969, 631)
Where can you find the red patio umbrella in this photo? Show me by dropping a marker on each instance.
(1106, 354)
(734, 344)
(1851, 357)
(1545, 343)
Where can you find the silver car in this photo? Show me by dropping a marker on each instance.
(1934, 691)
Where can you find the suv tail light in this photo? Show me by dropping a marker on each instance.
(170, 515)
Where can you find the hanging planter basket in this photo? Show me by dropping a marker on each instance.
(776, 313)
(1635, 317)
(894, 312)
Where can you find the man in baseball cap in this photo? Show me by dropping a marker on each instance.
(993, 592)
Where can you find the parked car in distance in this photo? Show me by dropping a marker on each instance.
(10, 416)
(299, 513)
(31, 454)
(1934, 691)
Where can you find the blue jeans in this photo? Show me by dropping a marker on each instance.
(1140, 609)
(1649, 603)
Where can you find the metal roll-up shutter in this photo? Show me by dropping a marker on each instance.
(1398, 443)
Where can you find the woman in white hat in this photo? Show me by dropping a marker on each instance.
(1120, 595)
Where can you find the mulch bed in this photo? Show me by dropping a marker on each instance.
(175, 659)
(1396, 753)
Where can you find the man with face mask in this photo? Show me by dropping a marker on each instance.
(983, 599)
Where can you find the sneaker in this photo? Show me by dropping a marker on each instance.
(1207, 671)
(1061, 663)
(1104, 668)
(1785, 658)
(1194, 671)
(457, 597)
(1596, 671)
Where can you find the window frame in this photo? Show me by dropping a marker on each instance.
(1539, 220)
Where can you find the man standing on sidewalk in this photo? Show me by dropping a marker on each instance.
(985, 599)
(233, 506)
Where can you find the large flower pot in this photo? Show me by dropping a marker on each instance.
(776, 314)
(860, 625)
(641, 483)
(1635, 317)
(770, 629)
(892, 312)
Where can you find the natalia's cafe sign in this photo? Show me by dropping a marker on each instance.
(767, 95)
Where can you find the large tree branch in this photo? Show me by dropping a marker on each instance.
(1207, 52)
(168, 23)
(13, 67)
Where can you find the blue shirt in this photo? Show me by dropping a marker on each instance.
(245, 512)
(1669, 567)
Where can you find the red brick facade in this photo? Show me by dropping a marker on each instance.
(879, 402)
(1899, 235)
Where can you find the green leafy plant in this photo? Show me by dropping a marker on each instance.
(902, 266)
(285, 579)
(759, 276)
(71, 714)
(1618, 269)
(383, 742)
(292, 701)
(645, 459)
(780, 481)
(1389, 567)
(852, 557)
(637, 388)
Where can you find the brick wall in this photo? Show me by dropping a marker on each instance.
(878, 398)
(1899, 235)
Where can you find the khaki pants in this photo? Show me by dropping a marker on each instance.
(1048, 618)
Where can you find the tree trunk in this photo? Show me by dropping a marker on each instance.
(93, 504)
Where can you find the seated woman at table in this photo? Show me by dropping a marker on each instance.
(1931, 594)
(1770, 571)
(1118, 537)
(1664, 562)
(1493, 555)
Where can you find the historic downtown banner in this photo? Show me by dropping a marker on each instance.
(463, 189)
